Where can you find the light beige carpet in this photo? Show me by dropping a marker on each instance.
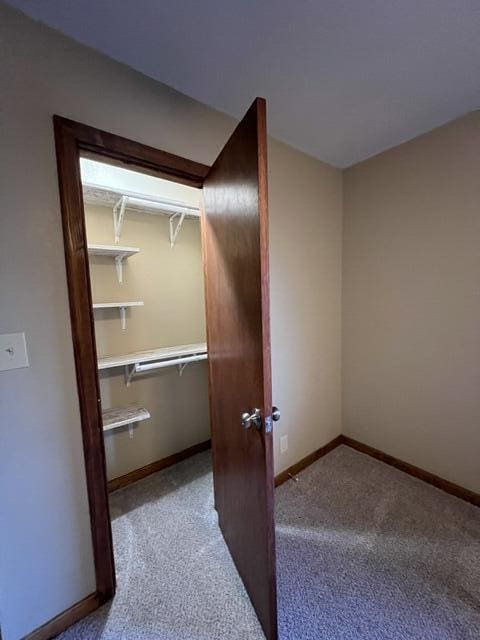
(363, 552)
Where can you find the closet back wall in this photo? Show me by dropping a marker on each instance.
(170, 283)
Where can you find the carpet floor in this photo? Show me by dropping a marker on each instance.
(363, 552)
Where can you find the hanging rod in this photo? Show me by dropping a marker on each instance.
(161, 204)
(148, 366)
(161, 364)
(99, 194)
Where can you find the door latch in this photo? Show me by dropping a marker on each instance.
(269, 420)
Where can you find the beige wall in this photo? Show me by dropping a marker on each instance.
(170, 283)
(411, 302)
(305, 287)
(46, 556)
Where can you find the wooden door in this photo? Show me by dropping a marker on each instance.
(235, 241)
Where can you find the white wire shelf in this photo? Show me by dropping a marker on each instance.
(122, 200)
(121, 416)
(115, 251)
(147, 361)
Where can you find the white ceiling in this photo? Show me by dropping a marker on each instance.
(344, 79)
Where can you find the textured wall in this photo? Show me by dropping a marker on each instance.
(411, 302)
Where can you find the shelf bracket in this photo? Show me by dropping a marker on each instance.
(118, 216)
(181, 367)
(119, 267)
(129, 373)
(130, 431)
(123, 317)
(175, 229)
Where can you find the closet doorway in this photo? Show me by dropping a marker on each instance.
(234, 238)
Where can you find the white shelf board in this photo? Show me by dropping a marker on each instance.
(117, 305)
(121, 416)
(112, 250)
(110, 362)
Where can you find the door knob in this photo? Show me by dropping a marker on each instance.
(276, 414)
(254, 418)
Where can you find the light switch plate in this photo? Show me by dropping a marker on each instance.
(13, 351)
(283, 444)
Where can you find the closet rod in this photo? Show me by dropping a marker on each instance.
(101, 194)
(139, 368)
(161, 204)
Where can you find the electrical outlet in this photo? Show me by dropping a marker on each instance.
(283, 444)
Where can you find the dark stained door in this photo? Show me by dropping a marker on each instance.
(235, 241)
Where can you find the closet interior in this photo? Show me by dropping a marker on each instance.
(146, 275)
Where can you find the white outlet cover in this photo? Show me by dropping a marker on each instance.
(13, 351)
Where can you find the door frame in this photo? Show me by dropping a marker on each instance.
(72, 140)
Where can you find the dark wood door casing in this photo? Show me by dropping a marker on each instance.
(73, 139)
